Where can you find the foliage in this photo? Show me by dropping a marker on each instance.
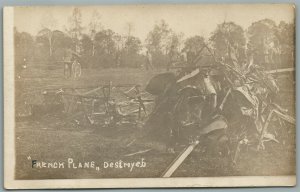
(265, 41)
(160, 41)
(228, 35)
(194, 43)
(192, 46)
(285, 34)
(94, 26)
(132, 45)
(24, 47)
(130, 56)
(75, 28)
(262, 40)
(104, 42)
(156, 39)
(87, 51)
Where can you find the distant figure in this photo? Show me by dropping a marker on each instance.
(191, 56)
(118, 59)
(67, 69)
(184, 56)
(172, 57)
(76, 69)
(149, 64)
(67, 60)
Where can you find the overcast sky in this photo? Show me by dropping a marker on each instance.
(189, 19)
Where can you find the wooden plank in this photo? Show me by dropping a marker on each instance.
(188, 76)
(91, 91)
(264, 130)
(281, 70)
(66, 86)
(286, 117)
(179, 159)
(83, 96)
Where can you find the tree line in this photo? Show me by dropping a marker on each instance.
(263, 41)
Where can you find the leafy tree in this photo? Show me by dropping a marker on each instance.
(192, 46)
(262, 40)
(228, 41)
(285, 34)
(105, 48)
(129, 27)
(104, 41)
(49, 38)
(94, 26)
(174, 40)
(194, 43)
(51, 42)
(87, 44)
(161, 41)
(75, 28)
(61, 40)
(130, 54)
(119, 41)
(87, 50)
(133, 45)
(61, 43)
(157, 38)
(24, 47)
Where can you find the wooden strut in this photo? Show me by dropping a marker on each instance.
(179, 160)
(281, 115)
(55, 87)
(281, 70)
(264, 130)
(91, 91)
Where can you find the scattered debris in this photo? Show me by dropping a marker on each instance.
(130, 143)
(139, 152)
(241, 93)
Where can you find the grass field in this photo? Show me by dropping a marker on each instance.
(51, 139)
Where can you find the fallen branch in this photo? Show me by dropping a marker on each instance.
(131, 142)
(139, 152)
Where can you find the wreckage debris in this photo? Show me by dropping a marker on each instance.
(97, 106)
(232, 100)
(192, 98)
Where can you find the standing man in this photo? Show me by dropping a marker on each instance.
(67, 69)
(149, 61)
(172, 57)
(118, 59)
(184, 58)
(191, 56)
(76, 68)
(67, 60)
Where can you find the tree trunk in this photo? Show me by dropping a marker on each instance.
(93, 49)
(50, 45)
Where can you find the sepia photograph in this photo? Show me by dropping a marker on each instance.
(178, 95)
